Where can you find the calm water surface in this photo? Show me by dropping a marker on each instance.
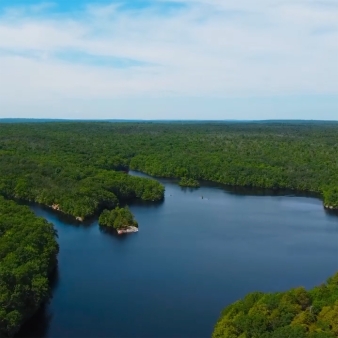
(191, 258)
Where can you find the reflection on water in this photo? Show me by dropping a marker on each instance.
(38, 325)
(333, 213)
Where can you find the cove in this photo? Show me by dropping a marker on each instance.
(190, 259)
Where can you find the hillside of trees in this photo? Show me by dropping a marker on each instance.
(28, 254)
(296, 313)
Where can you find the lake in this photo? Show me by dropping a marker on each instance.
(191, 257)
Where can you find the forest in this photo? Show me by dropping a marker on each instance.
(296, 313)
(82, 170)
(81, 166)
(28, 254)
(59, 168)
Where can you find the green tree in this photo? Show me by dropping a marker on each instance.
(117, 218)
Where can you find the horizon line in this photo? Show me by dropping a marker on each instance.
(162, 120)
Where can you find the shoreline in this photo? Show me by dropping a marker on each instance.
(246, 189)
(232, 189)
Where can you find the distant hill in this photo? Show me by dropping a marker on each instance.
(18, 120)
(297, 122)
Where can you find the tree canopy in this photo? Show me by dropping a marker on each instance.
(188, 182)
(296, 313)
(117, 218)
(80, 165)
(28, 253)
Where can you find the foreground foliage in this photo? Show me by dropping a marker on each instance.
(118, 218)
(28, 253)
(296, 314)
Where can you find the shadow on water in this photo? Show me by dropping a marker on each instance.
(60, 216)
(141, 203)
(236, 190)
(113, 233)
(189, 189)
(38, 324)
(233, 190)
(254, 191)
(331, 213)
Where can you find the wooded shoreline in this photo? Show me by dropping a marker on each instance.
(76, 167)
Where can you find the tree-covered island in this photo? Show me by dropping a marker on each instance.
(120, 219)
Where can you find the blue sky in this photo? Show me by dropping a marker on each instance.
(76, 6)
(169, 59)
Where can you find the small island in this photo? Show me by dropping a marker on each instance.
(189, 182)
(120, 219)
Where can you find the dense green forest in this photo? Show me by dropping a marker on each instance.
(78, 165)
(294, 314)
(28, 254)
(117, 218)
(61, 166)
(81, 169)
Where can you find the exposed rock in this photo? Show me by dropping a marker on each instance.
(127, 230)
(80, 219)
(330, 207)
(56, 207)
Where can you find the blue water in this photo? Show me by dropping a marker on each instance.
(190, 259)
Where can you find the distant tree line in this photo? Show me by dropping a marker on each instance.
(75, 164)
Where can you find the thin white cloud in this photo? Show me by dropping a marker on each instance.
(237, 48)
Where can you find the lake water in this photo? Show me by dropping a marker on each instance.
(190, 259)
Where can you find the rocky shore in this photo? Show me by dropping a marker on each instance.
(127, 230)
(330, 207)
(58, 208)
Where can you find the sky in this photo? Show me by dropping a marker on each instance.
(169, 59)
